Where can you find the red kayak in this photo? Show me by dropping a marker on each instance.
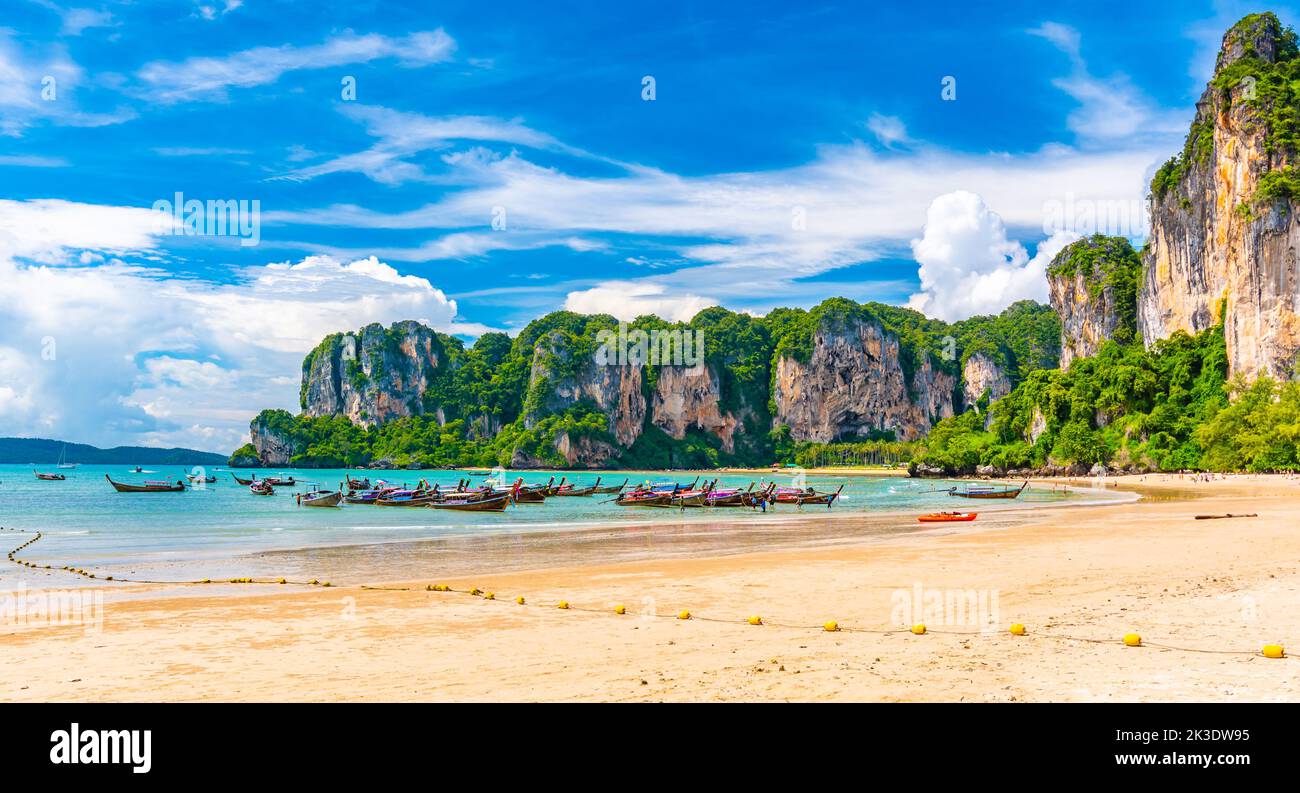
(948, 517)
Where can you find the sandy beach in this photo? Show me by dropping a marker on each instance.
(1078, 578)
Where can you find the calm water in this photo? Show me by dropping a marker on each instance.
(86, 523)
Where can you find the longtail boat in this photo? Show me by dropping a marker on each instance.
(147, 487)
(692, 498)
(49, 477)
(948, 517)
(281, 481)
(807, 495)
(261, 489)
(985, 491)
(550, 489)
(571, 490)
(195, 478)
(728, 497)
(611, 488)
(409, 498)
(357, 484)
(371, 496)
(480, 500)
(320, 498)
(646, 498)
(760, 499)
(244, 482)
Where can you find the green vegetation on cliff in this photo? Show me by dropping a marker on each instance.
(504, 401)
(1106, 264)
(1126, 406)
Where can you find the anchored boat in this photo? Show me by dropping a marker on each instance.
(987, 491)
(147, 487)
(948, 517)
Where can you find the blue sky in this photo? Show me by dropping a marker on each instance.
(789, 154)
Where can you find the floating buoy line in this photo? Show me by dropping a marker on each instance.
(67, 568)
(1017, 629)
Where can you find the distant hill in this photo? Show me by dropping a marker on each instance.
(45, 451)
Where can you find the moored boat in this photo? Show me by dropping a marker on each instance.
(147, 487)
(986, 491)
(49, 477)
(261, 488)
(607, 489)
(804, 495)
(572, 490)
(281, 481)
(319, 497)
(244, 482)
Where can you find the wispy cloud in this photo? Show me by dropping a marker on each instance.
(211, 78)
(400, 135)
(1111, 109)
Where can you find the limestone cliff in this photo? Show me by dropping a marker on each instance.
(688, 397)
(853, 384)
(1224, 225)
(982, 374)
(273, 443)
(563, 377)
(1092, 284)
(373, 375)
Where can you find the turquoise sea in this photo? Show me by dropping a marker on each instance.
(214, 529)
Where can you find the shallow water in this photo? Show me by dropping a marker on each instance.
(221, 530)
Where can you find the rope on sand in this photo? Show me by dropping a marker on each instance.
(12, 556)
(1130, 640)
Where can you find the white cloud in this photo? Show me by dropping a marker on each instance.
(75, 20)
(115, 353)
(627, 300)
(1110, 108)
(26, 80)
(400, 135)
(969, 266)
(889, 130)
(210, 78)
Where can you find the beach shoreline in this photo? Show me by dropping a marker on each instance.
(1077, 577)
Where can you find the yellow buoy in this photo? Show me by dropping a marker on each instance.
(489, 596)
(324, 584)
(1132, 640)
(563, 604)
(1017, 629)
(620, 609)
(831, 627)
(283, 581)
(683, 615)
(755, 620)
(1274, 651)
(520, 600)
(475, 591)
(918, 629)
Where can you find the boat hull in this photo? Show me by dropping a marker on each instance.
(122, 487)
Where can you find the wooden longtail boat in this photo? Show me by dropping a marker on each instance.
(611, 488)
(357, 484)
(485, 500)
(646, 498)
(730, 497)
(200, 478)
(760, 499)
(571, 490)
(49, 477)
(693, 498)
(984, 491)
(244, 482)
(280, 481)
(320, 498)
(261, 489)
(806, 496)
(948, 517)
(147, 487)
(550, 489)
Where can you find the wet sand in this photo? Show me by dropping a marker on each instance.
(1077, 577)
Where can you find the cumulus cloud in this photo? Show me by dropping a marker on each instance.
(627, 300)
(111, 352)
(210, 78)
(968, 266)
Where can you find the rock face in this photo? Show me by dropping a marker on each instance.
(1224, 225)
(373, 375)
(1092, 284)
(273, 448)
(561, 378)
(853, 385)
(981, 373)
(690, 396)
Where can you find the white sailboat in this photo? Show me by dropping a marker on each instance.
(63, 459)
